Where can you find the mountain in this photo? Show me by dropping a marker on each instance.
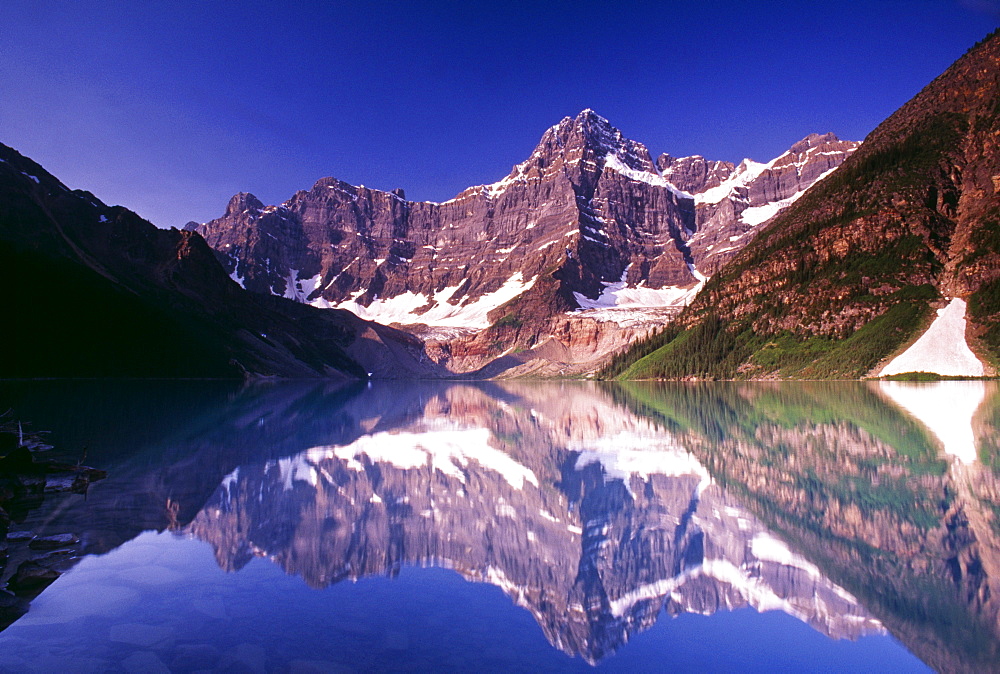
(846, 279)
(732, 201)
(94, 291)
(585, 246)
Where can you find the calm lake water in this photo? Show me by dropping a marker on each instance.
(519, 527)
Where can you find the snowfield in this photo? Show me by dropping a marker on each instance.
(629, 306)
(405, 308)
(942, 349)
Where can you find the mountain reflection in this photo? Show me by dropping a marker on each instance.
(857, 508)
(890, 488)
(592, 514)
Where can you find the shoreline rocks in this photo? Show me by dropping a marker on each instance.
(30, 563)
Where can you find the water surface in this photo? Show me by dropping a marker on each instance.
(520, 526)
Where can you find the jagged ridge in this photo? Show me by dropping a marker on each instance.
(587, 221)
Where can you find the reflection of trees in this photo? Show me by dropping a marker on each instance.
(860, 487)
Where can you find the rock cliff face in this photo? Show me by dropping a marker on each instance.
(588, 224)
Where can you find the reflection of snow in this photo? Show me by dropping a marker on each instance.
(768, 548)
(747, 582)
(629, 453)
(946, 408)
(942, 349)
(446, 449)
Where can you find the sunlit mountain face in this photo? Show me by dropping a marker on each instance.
(865, 511)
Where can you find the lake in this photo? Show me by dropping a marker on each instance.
(518, 526)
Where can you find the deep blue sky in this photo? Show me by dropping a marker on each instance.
(169, 108)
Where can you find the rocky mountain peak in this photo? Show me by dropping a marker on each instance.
(811, 141)
(324, 185)
(583, 144)
(693, 174)
(586, 223)
(244, 201)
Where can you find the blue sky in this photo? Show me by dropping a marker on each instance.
(170, 108)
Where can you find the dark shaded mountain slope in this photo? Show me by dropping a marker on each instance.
(848, 275)
(93, 291)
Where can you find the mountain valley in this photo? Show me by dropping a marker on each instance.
(590, 257)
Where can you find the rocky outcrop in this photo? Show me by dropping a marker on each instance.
(30, 563)
(588, 224)
(694, 174)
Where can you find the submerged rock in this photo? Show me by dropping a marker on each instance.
(31, 576)
(53, 542)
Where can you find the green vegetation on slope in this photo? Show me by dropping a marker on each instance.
(712, 350)
(984, 305)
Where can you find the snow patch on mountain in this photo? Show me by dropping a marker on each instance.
(300, 289)
(745, 173)
(756, 215)
(611, 161)
(624, 305)
(406, 308)
(749, 171)
(942, 349)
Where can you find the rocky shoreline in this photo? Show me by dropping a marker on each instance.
(30, 563)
